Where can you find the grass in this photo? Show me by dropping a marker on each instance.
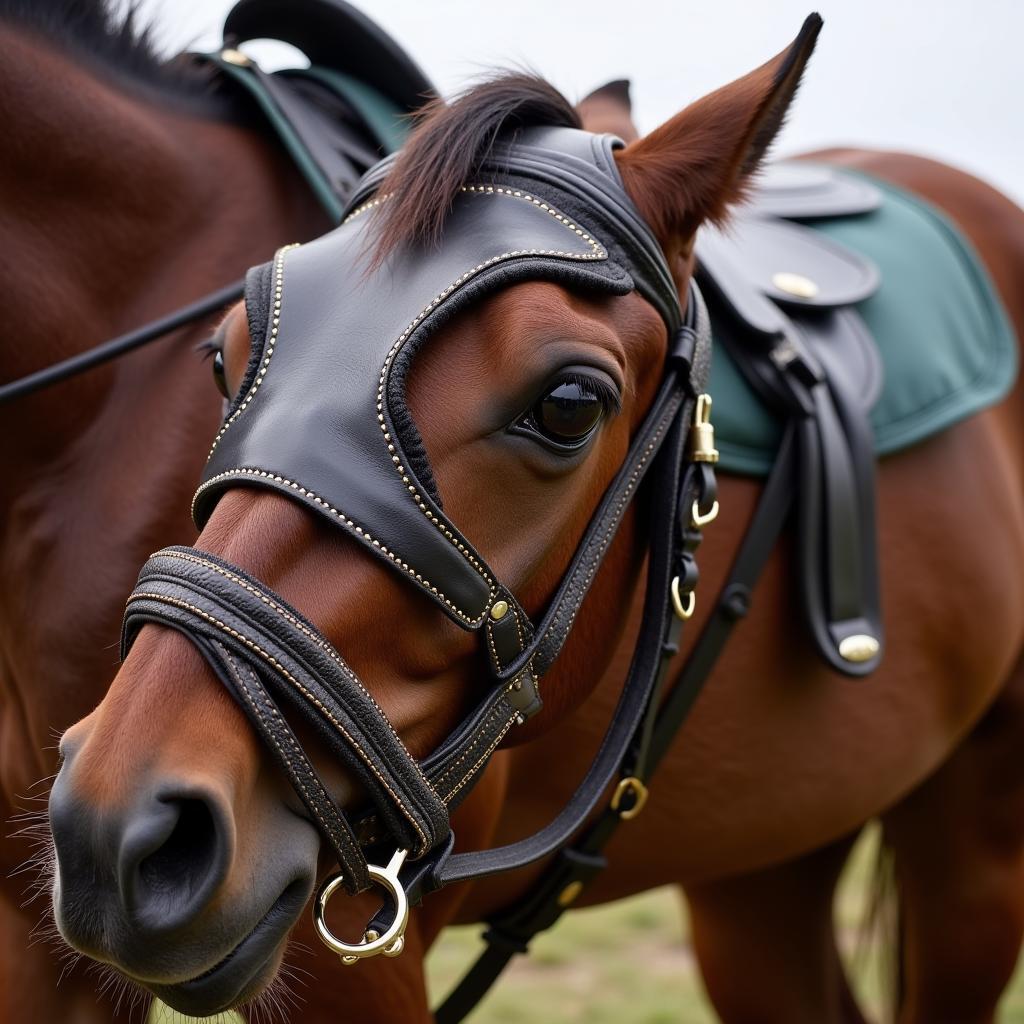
(630, 963)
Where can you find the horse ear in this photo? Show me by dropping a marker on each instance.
(609, 109)
(696, 165)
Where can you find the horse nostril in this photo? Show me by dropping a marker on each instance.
(174, 854)
(182, 859)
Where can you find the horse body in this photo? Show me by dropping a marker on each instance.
(119, 204)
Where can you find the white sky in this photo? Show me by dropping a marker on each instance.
(937, 77)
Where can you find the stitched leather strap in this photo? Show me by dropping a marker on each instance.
(240, 622)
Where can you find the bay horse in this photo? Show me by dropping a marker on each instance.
(781, 762)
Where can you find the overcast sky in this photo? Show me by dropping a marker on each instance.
(937, 77)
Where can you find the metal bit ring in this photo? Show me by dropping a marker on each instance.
(392, 942)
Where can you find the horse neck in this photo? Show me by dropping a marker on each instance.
(115, 209)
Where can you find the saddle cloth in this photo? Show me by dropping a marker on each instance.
(946, 347)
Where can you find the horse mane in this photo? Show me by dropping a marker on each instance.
(448, 145)
(99, 33)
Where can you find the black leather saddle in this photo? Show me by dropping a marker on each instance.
(782, 298)
(339, 116)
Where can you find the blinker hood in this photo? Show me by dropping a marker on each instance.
(322, 414)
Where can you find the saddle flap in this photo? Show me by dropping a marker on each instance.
(796, 267)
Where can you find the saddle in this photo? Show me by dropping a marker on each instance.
(339, 116)
(783, 301)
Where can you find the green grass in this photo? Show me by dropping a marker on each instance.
(630, 963)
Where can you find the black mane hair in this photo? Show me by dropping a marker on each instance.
(109, 36)
(450, 142)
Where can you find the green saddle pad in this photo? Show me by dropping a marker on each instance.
(946, 345)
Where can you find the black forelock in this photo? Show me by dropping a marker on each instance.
(450, 142)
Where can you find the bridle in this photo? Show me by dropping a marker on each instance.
(267, 654)
(338, 342)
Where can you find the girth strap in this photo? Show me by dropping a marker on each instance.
(266, 653)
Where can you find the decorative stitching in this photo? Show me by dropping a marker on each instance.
(318, 640)
(275, 322)
(360, 532)
(482, 759)
(369, 205)
(492, 646)
(297, 779)
(473, 746)
(597, 252)
(491, 626)
(595, 557)
(311, 697)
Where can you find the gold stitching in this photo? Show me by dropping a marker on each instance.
(275, 321)
(597, 252)
(319, 641)
(147, 595)
(296, 778)
(361, 533)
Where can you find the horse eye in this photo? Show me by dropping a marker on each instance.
(218, 373)
(569, 413)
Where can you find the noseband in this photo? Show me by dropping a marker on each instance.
(322, 417)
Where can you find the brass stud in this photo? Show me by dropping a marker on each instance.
(859, 648)
(569, 894)
(795, 284)
(499, 609)
(235, 57)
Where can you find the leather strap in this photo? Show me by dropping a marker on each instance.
(797, 374)
(272, 650)
(122, 344)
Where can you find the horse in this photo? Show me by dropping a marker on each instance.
(781, 762)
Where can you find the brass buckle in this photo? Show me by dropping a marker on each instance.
(392, 942)
(683, 611)
(630, 784)
(702, 433)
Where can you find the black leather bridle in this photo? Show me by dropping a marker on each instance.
(321, 417)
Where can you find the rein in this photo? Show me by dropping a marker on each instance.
(107, 351)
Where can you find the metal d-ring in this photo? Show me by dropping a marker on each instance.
(698, 519)
(392, 942)
(683, 611)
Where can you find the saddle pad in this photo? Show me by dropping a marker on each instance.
(946, 345)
